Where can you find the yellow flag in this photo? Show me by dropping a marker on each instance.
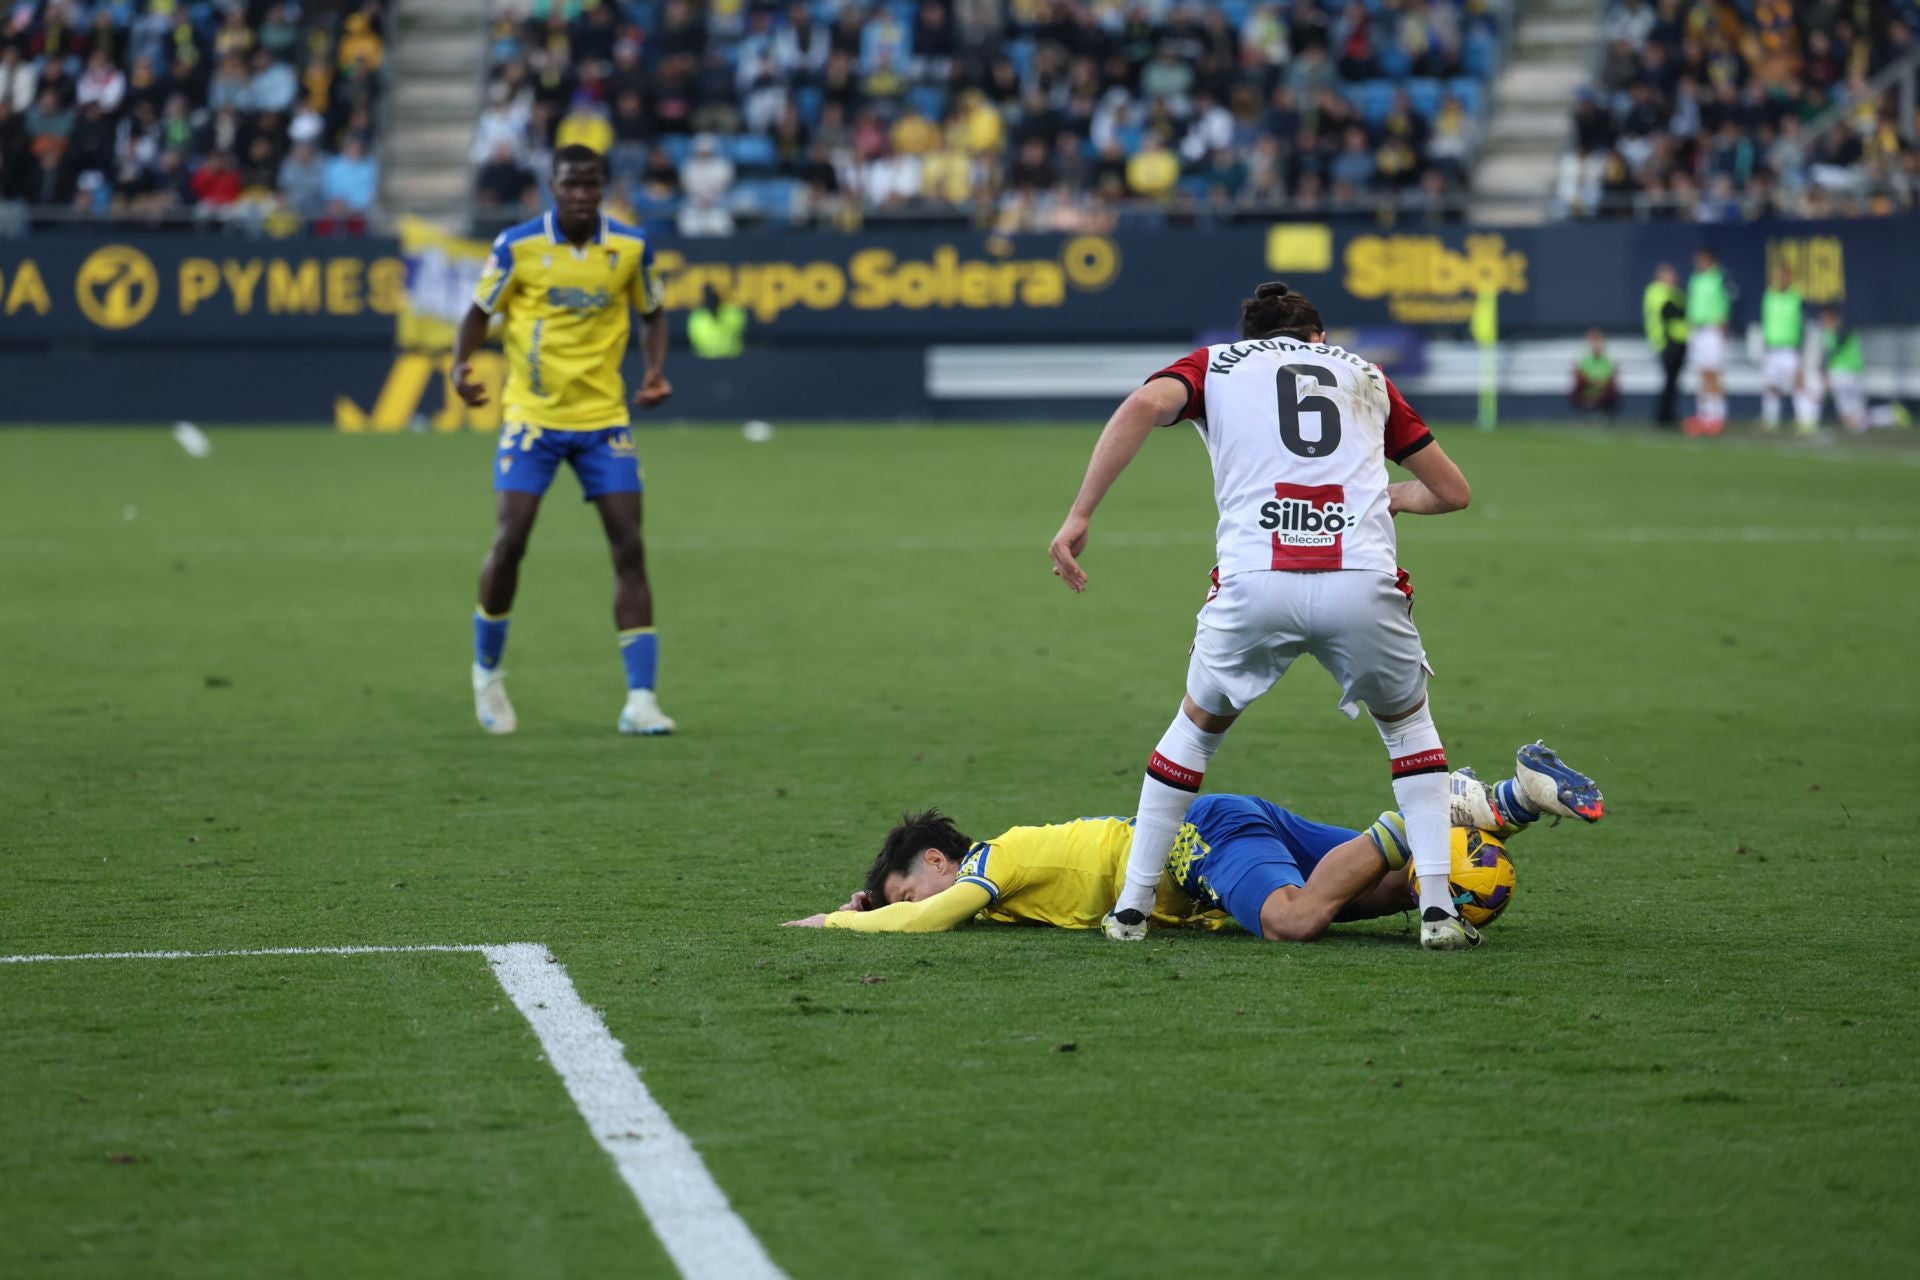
(1486, 317)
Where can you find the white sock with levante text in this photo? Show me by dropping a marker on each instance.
(1174, 773)
(1420, 786)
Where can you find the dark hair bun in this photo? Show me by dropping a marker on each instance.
(1272, 289)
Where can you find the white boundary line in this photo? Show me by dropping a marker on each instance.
(701, 1233)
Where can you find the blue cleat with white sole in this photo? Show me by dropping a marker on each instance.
(1550, 785)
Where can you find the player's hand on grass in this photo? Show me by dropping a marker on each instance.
(653, 391)
(860, 901)
(465, 387)
(816, 921)
(1066, 547)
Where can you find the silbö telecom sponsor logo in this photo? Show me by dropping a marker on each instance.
(1298, 522)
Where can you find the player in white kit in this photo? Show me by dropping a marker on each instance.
(1300, 434)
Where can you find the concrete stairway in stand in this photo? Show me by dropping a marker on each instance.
(1556, 46)
(434, 92)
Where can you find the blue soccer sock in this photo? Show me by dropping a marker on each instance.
(489, 638)
(1513, 804)
(640, 650)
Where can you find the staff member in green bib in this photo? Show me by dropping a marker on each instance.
(1596, 378)
(1846, 369)
(1665, 310)
(717, 330)
(1782, 327)
(1709, 308)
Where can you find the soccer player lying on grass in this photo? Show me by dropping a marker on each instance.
(1282, 876)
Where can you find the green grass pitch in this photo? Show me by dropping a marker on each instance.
(234, 713)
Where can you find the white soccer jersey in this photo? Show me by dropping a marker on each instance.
(1300, 434)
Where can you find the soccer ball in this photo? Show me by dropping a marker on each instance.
(1482, 879)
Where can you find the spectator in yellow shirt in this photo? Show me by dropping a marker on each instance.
(361, 43)
(981, 130)
(586, 126)
(1153, 171)
(914, 134)
(946, 176)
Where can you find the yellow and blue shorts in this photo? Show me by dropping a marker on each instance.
(529, 457)
(1251, 848)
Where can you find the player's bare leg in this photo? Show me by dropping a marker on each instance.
(1387, 898)
(620, 515)
(1301, 913)
(499, 580)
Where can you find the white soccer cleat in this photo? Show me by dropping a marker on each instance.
(1443, 931)
(643, 717)
(1470, 803)
(1125, 926)
(490, 705)
(1552, 786)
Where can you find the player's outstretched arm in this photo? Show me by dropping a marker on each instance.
(1157, 404)
(473, 333)
(654, 387)
(1438, 486)
(945, 910)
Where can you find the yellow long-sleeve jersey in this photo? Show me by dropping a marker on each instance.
(1068, 875)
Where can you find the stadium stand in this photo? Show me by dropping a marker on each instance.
(170, 112)
(1742, 109)
(1026, 115)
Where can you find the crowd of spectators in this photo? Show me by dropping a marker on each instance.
(1712, 111)
(170, 109)
(1055, 114)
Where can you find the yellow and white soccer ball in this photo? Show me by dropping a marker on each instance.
(1482, 881)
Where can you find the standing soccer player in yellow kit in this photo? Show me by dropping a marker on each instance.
(564, 283)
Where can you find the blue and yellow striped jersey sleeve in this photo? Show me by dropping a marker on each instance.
(646, 292)
(496, 275)
(977, 868)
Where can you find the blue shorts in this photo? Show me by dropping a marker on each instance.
(1252, 848)
(529, 457)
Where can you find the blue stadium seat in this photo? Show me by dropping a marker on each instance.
(749, 150)
(677, 146)
(1376, 100)
(1425, 94)
(807, 101)
(771, 197)
(1481, 51)
(1472, 94)
(1020, 54)
(750, 195)
(929, 100)
(1395, 63)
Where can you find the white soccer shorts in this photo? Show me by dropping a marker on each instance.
(1849, 395)
(1781, 368)
(1357, 623)
(1707, 350)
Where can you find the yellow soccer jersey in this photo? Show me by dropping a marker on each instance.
(1068, 874)
(566, 323)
